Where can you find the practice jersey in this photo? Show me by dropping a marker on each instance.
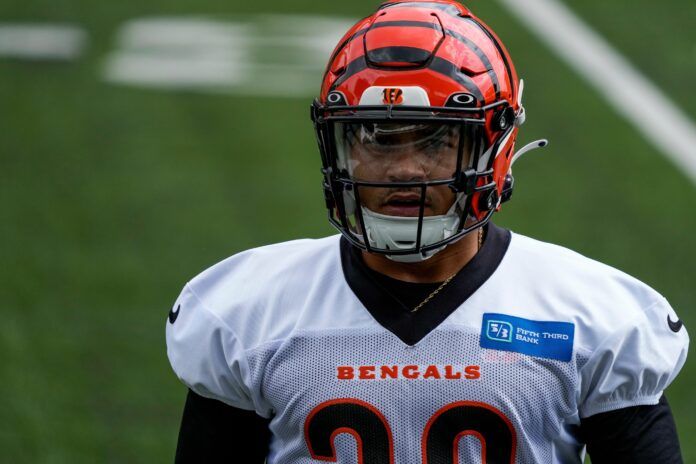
(544, 338)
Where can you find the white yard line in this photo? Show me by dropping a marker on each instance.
(39, 41)
(263, 55)
(631, 94)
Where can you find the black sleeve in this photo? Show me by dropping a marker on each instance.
(636, 435)
(213, 432)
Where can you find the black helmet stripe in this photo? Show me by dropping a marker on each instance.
(499, 47)
(437, 64)
(359, 64)
(449, 9)
(364, 30)
(353, 68)
(482, 56)
(406, 55)
(405, 24)
(451, 70)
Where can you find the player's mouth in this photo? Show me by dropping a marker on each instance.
(405, 204)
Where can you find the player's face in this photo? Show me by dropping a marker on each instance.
(403, 152)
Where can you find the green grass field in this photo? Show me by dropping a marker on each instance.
(113, 196)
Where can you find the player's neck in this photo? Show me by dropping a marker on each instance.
(436, 269)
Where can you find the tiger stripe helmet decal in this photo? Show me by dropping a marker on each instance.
(430, 45)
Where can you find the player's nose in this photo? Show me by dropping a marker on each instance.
(407, 166)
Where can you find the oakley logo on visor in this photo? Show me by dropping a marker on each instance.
(393, 96)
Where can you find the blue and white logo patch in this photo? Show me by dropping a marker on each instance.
(499, 331)
(543, 339)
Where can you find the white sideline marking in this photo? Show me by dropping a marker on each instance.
(179, 53)
(37, 41)
(280, 56)
(630, 93)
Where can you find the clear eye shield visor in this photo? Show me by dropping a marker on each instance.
(400, 152)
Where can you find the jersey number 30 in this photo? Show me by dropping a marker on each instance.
(440, 437)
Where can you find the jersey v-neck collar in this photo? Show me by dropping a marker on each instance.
(389, 312)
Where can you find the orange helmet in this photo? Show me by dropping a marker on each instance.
(408, 80)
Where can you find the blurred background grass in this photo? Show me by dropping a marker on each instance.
(113, 196)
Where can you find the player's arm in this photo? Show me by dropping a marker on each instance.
(624, 414)
(636, 435)
(214, 432)
(220, 416)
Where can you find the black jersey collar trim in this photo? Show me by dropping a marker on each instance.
(413, 327)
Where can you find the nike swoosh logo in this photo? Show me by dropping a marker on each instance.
(674, 326)
(173, 315)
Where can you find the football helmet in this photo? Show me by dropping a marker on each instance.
(416, 123)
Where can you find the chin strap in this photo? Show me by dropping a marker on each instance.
(527, 148)
(509, 180)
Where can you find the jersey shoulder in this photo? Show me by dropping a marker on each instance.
(629, 351)
(256, 291)
(595, 294)
(236, 306)
(576, 275)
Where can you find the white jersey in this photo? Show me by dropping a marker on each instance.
(550, 337)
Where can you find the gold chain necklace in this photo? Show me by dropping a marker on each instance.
(449, 279)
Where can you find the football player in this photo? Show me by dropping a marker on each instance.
(423, 332)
